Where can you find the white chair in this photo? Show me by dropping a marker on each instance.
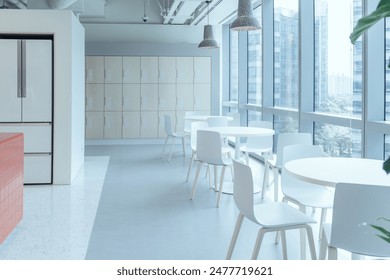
(187, 123)
(301, 193)
(217, 121)
(195, 126)
(173, 135)
(356, 208)
(262, 145)
(209, 150)
(284, 139)
(273, 216)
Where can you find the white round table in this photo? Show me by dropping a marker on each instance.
(237, 132)
(328, 171)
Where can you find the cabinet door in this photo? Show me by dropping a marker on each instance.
(149, 97)
(113, 97)
(184, 97)
(161, 122)
(113, 69)
(167, 97)
(202, 68)
(202, 97)
(10, 104)
(94, 97)
(131, 97)
(180, 123)
(149, 69)
(167, 70)
(149, 124)
(37, 103)
(185, 70)
(94, 125)
(113, 125)
(131, 69)
(131, 124)
(94, 69)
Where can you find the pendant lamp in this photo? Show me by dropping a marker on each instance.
(208, 37)
(245, 20)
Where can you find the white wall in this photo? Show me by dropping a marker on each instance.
(68, 154)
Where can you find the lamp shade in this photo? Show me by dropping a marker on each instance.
(245, 20)
(208, 38)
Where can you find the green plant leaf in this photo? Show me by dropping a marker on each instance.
(382, 11)
(382, 230)
(386, 165)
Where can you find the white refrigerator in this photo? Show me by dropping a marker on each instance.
(26, 98)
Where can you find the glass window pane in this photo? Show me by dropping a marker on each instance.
(387, 56)
(286, 54)
(338, 63)
(387, 147)
(255, 62)
(254, 116)
(338, 141)
(233, 66)
(285, 124)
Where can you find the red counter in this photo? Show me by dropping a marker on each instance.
(11, 182)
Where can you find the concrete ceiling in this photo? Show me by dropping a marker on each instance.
(168, 21)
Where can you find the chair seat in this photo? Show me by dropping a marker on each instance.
(313, 196)
(280, 214)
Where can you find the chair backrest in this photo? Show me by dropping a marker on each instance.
(195, 126)
(356, 207)
(292, 152)
(167, 125)
(236, 119)
(217, 121)
(243, 190)
(260, 142)
(285, 139)
(208, 147)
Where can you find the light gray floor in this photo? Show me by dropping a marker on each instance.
(127, 203)
(145, 212)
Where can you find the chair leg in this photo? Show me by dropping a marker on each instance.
(259, 240)
(183, 141)
(322, 221)
(303, 235)
(233, 241)
(221, 185)
(196, 180)
(276, 183)
(310, 238)
(191, 163)
(247, 158)
(332, 253)
(173, 143)
(284, 244)
(165, 144)
(215, 178)
(265, 179)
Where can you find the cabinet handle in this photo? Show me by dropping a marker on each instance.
(141, 74)
(104, 74)
(123, 74)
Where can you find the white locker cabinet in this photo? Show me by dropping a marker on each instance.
(37, 168)
(113, 125)
(131, 124)
(94, 97)
(113, 97)
(131, 69)
(202, 69)
(167, 97)
(161, 122)
(184, 97)
(167, 70)
(131, 97)
(94, 122)
(94, 69)
(180, 120)
(113, 70)
(202, 97)
(149, 69)
(185, 70)
(149, 124)
(149, 97)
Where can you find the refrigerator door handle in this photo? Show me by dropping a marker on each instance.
(24, 89)
(19, 74)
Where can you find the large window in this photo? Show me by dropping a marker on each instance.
(255, 63)
(387, 70)
(338, 63)
(233, 66)
(286, 54)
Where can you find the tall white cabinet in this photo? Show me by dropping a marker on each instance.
(128, 96)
